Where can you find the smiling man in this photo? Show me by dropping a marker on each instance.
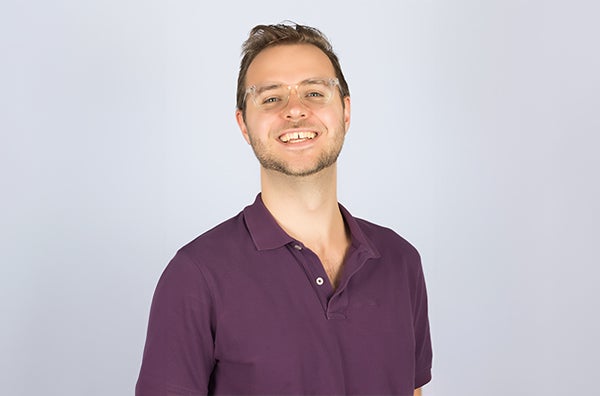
(294, 295)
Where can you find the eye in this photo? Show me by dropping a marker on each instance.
(270, 96)
(314, 94)
(270, 99)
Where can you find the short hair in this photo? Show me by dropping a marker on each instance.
(265, 36)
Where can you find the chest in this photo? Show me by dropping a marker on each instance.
(332, 263)
(296, 333)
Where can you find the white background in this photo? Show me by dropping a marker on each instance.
(474, 135)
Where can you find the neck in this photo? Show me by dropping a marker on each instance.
(305, 207)
(307, 210)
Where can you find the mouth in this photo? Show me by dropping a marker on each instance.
(297, 137)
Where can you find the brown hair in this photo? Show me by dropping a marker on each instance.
(265, 36)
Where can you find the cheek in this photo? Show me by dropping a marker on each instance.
(263, 125)
(255, 124)
(331, 119)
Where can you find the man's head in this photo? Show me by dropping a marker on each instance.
(293, 102)
(264, 36)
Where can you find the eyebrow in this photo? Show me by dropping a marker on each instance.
(273, 85)
(267, 86)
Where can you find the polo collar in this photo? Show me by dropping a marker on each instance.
(267, 234)
(359, 238)
(264, 230)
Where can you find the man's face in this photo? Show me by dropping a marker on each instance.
(300, 138)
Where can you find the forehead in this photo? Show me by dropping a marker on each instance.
(289, 64)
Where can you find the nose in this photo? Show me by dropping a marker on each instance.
(294, 108)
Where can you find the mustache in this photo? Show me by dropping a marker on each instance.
(298, 125)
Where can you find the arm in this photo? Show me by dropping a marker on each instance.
(423, 351)
(178, 355)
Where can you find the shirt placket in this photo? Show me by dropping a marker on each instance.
(315, 273)
(333, 302)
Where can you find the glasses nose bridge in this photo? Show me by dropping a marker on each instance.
(295, 95)
(294, 107)
(295, 89)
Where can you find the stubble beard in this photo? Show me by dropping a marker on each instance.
(327, 158)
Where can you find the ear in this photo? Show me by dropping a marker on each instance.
(347, 112)
(239, 117)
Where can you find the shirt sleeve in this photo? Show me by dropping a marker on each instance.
(423, 348)
(179, 352)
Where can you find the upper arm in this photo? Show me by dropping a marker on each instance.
(423, 349)
(179, 352)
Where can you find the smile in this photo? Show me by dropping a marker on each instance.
(297, 137)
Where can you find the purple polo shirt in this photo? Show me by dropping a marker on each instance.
(245, 309)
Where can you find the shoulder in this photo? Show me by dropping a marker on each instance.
(228, 234)
(197, 260)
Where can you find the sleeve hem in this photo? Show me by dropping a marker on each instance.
(422, 377)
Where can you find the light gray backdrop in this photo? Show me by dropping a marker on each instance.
(474, 135)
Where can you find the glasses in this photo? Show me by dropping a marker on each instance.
(313, 93)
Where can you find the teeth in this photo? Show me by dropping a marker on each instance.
(297, 136)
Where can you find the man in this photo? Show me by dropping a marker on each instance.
(293, 296)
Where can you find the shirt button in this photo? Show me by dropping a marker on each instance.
(297, 247)
(319, 281)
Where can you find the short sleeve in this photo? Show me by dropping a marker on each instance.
(423, 348)
(179, 351)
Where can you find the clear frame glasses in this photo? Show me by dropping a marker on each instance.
(313, 93)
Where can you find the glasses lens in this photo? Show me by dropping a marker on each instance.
(317, 92)
(271, 97)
